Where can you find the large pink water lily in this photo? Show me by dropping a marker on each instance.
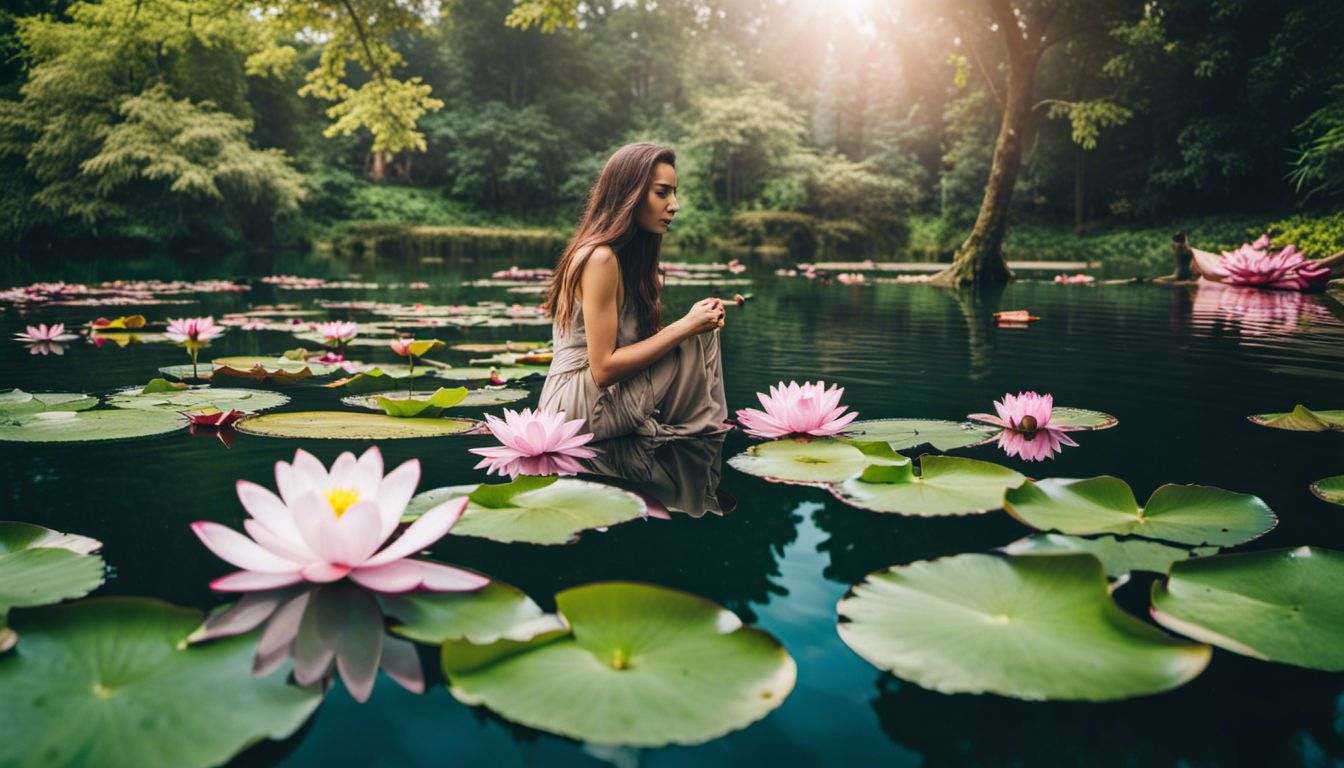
(1027, 432)
(329, 525)
(1257, 265)
(535, 443)
(790, 409)
(194, 330)
(43, 333)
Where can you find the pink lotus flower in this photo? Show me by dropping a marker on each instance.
(810, 409)
(326, 526)
(327, 630)
(338, 332)
(535, 443)
(43, 333)
(1254, 265)
(253, 324)
(194, 330)
(1034, 446)
(1025, 419)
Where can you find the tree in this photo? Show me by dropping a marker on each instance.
(743, 136)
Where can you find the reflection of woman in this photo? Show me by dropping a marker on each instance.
(682, 475)
(616, 366)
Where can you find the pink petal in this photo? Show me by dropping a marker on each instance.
(236, 549)
(401, 662)
(247, 581)
(397, 576)
(395, 493)
(427, 529)
(446, 578)
(323, 573)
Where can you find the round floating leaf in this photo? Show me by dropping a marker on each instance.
(508, 372)
(946, 485)
(552, 514)
(271, 363)
(1283, 605)
(343, 425)
(196, 398)
(1029, 627)
(643, 666)
(111, 682)
(813, 462)
(1118, 557)
(1301, 419)
(508, 346)
(1187, 514)
(1330, 489)
(39, 566)
(88, 426)
(496, 612)
(15, 536)
(184, 371)
(476, 398)
(1082, 419)
(909, 433)
(432, 406)
(16, 402)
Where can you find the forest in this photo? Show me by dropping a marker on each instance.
(868, 125)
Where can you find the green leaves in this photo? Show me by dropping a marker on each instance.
(812, 462)
(16, 402)
(1302, 419)
(180, 398)
(476, 398)
(535, 510)
(40, 566)
(1188, 514)
(431, 406)
(89, 426)
(1283, 605)
(495, 612)
(132, 693)
(910, 433)
(1330, 489)
(946, 485)
(1028, 627)
(343, 425)
(500, 495)
(642, 666)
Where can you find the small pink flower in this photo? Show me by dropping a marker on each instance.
(1025, 418)
(44, 333)
(338, 331)
(327, 525)
(195, 330)
(535, 443)
(810, 409)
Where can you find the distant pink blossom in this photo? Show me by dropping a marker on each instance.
(535, 443)
(195, 330)
(790, 409)
(44, 333)
(327, 525)
(338, 331)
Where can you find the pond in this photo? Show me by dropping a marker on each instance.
(1180, 368)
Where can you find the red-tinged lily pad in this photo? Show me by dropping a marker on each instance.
(213, 417)
(1330, 489)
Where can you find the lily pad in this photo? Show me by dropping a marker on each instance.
(946, 485)
(813, 462)
(476, 398)
(432, 406)
(39, 566)
(507, 346)
(260, 373)
(1302, 419)
(111, 682)
(496, 612)
(1079, 419)
(508, 372)
(1119, 557)
(1330, 489)
(901, 434)
(196, 398)
(643, 666)
(88, 426)
(378, 378)
(1283, 605)
(554, 513)
(1186, 514)
(1029, 627)
(184, 371)
(343, 425)
(270, 363)
(16, 402)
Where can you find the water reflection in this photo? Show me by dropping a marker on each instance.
(46, 348)
(680, 475)
(1039, 445)
(1255, 312)
(325, 630)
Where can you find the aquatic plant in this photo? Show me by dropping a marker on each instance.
(413, 348)
(1257, 266)
(42, 333)
(1027, 431)
(790, 409)
(329, 525)
(535, 443)
(337, 334)
(193, 333)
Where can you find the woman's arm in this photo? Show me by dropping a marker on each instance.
(599, 284)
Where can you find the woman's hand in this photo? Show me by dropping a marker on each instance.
(705, 315)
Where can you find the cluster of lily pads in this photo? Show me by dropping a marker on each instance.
(1036, 620)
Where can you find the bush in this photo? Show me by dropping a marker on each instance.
(1316, 236)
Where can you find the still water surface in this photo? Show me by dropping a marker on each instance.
(1180, 368)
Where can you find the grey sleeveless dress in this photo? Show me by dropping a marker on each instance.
(680, 395)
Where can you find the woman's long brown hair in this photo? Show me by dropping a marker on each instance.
(610, 220)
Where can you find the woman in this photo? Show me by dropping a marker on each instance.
(616, 365)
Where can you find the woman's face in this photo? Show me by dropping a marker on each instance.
(660, 202)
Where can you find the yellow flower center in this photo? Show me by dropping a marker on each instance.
(341, 499)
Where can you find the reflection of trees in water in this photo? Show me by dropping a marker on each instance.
(978, 305)
(1239, 712)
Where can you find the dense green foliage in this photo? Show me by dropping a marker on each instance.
(796, 121)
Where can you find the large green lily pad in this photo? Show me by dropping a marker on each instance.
(1301, 419)
(380, 378)
(902, 434)
(1029, 627)
(507, 372)
(431, 406)
(16, 402)
(543, 511)
(946, 485)
(476, 398)
(111, 682)
(1283, 605)
(643, 666)
(813, 462)
(196, 398)
(269, 362)
(88, 426)
(1119, 557)
(39, 566)
(1330, 489)
(1186, 514)
(343, 425)
(498, 611)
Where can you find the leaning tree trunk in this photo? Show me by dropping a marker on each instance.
(980, 257)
